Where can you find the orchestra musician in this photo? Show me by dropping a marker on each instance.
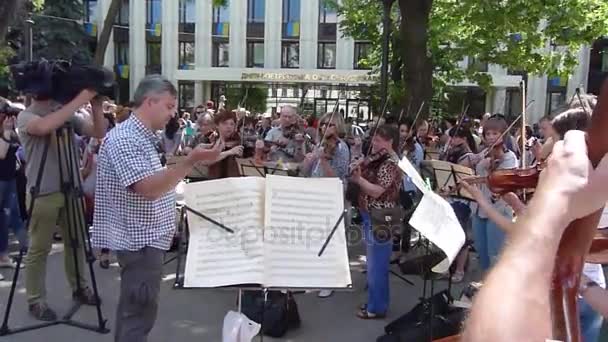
(330, 158)
(568, 189)
(286, 141)
(225, 165)
(379, 178)
(488, 237)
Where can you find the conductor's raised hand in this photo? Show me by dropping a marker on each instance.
(206, 154)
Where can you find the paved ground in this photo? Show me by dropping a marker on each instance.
(197, 315)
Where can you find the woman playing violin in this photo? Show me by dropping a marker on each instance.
(226, 166)
(379, 179)
(331, 157)
(488, 237)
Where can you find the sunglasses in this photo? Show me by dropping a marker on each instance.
(323, 124)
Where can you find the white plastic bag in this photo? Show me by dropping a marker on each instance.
(239, 328)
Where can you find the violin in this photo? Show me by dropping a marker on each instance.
(580, 236)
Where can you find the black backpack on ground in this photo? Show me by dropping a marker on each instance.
(278, 316)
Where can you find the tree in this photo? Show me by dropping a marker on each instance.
(435, 35)
(61, 38)
(106, 32)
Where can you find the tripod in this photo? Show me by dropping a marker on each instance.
(71, 188)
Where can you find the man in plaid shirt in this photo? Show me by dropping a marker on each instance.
(135, 203)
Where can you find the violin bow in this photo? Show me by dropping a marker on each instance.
(241, 103)
(460, 120)
(369, 149)
(499, 140)
(522, 86)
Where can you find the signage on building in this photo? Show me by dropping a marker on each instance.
(275, 76)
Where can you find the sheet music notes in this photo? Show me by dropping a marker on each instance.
(216, 257)
(299, 215)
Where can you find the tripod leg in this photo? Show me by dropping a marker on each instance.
(4, 329)
(180, 246)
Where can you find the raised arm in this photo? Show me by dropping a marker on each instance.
(513, 304)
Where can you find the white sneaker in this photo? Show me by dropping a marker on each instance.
(325, 293)
(1, 277)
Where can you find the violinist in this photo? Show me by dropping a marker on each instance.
(205, 127)
(286, 140)
(379, 179)
(409, 146)
(488, 237)
(513, 304)
(331, 158)
(225, 165)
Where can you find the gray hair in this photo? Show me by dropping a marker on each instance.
(152, 85)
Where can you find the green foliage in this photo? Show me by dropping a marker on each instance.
(5, 55)
(515, 34)
(56, 38)
(254, 96)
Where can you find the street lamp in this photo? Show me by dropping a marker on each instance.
(386, 34)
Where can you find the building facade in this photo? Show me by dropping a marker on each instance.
(293, 48)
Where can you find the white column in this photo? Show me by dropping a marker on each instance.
(170, 39)
(137, 43)
(238, 34)
(537, 92)
(198, 93)
(499, 100)
(309, 33)
(102, 9)
(345, 49)
(272, 34)
(580, 75)
(202, 32)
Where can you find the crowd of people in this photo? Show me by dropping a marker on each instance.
(130, 199)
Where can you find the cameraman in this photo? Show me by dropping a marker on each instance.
(35, 124)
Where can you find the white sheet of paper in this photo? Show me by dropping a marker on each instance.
(435, 219)
(300, 213)
(411, 172)
(215, 256)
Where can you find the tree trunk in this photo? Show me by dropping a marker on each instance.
(418, 66)
(106, 32)
(8, 8)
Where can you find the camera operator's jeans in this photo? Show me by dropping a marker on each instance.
(489, 239)
(378, 263)
(49, 211)
(10, 216)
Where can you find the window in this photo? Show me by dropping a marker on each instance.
(255, 54)
(604, 54)
(220, 54)
(362, 52)
(121, 53)
(123, 14)
(90, 11)
(290, 55)
(186, 55)
(153, 53)
(477, 65)
(327, 14)
(221, 21)
(187, 11)
(256, 11)
(186, 94)
(291, 18)
(153, 11)
(326, 58)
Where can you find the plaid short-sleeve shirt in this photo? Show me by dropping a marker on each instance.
(124, 220)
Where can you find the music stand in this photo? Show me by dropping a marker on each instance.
(431, 154)
(248, 168)
(447, 175)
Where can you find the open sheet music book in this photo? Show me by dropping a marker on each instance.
(279, 223)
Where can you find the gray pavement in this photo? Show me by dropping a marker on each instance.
(197, 314)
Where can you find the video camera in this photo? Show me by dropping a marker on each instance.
(9, 108)
(61, 80)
